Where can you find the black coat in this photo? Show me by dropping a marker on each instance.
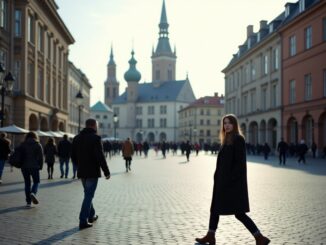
(32, 154)
(4, 149)
(87, 153)
(230, 193)
(50, 150)
(64, 148)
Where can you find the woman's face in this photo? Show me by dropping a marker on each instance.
(228, 127)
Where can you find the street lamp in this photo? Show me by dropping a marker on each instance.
(115, 120)
(79, 100)
(6, 85)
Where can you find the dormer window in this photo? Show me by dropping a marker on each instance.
(301, 5)
(271, 28)
(287, 10)
(249, 43)
(258, 37)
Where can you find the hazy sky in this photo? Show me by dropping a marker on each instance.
(205, 32)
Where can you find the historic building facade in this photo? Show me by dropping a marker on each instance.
(149, 111)
(104, 116)
(304, 72)
(78, 82)
(201, 120)
(34, 45)
(253, 84)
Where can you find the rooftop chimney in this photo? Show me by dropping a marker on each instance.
(263, 24)
(215, 94)
(250, 30)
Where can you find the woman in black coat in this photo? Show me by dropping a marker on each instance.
(50, 150)
(32, 153)
(230, 192)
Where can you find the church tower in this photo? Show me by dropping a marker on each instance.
(163, 59)
(111, 84)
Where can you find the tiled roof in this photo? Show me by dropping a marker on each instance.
(150, 92)
(101, 107)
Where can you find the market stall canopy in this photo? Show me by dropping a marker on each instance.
(13, 129)
(42, 133)
(54, 134)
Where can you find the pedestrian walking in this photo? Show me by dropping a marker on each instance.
(197, 148)
(302, 150)
(64, 152)
(282, 148)
(4, 152)
(50, 150)
(163, 149)
(32, 163)
(266, 150)
(230, 192)
(313, 149)
(127, 153)
(145, 148)
(187, 150)
(87, 153)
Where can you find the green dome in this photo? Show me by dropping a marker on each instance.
(132, 75)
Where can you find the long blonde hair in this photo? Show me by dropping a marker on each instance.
(227, 138)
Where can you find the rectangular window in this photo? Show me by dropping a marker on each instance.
(40, 39)
(273, 95)
(150, 110)
(163, 109)
(253, 70)
(324, 29)
(18, 23)
(265, 65)
(208, 133)
(163, 122)
(30, 75)
(308, 37)
(201, 111)
(308, 87)
(264, 99)
(49, 46)
(139, 110)
(48, 89)
(208, 122)
(276, 59)
(30, 30)
(3, 14)
(245, 104)
(107, 92)
(151, 123)
(324, 83)
(253, 101)
(208, 112)
(139, 123)
(293, 46)
(201, 122)
(54, 53)
(292, 92)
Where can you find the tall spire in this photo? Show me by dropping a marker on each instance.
(164, 20)
(163, 46)
(111, 61)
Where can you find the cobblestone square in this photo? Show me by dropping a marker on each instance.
(167, 201)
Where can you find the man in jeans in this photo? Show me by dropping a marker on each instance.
(64, 151)
(88, 155)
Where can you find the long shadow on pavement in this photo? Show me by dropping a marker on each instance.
(12, 209)
(313, 166)
(46, 185)
(58, 237)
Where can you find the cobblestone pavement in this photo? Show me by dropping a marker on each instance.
(166, 201)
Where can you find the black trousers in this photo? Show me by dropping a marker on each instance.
(302, 158)
(244, 219)
(282, 156)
